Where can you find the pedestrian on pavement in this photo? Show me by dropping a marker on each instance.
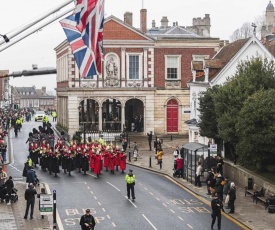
(15, 130)
(210, 182)
(130, 179)
(232, 197)
(219, 186)
(160, 153)
(198, 175)
(220, 164)
(135, 151)
(30, 198)
(9, 185)
(87, 221)
(150, 138)
(217, 207)
(31, 176)
(3, 176)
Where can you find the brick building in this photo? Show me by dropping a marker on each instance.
(30, 97)
(144, 77)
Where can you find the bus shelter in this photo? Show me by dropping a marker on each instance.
(193, 153)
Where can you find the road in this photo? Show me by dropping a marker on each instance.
(160, 203)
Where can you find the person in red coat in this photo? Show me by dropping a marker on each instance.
(106, 161)
(97, 158)
(92, 159)
(179, 166)
(117, 159)
(112, 162)
(122, 162)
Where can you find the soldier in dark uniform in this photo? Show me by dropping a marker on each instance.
(85, 162)
(55, 164)
(70, 163)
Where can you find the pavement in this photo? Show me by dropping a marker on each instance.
(251, 215)
(247, 213)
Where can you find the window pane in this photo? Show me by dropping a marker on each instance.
(134, 67)
(172, 67)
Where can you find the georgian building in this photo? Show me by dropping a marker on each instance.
(144, 77)
(30, 97)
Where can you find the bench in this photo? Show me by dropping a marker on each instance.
(265, 198)
(257, 190)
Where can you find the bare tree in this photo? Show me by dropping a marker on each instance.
(246, 29)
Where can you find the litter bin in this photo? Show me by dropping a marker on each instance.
(250, 183)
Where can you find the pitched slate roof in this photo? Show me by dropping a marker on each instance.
(270, 45)
(174, 31)
(224, 56)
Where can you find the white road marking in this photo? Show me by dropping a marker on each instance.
(103, 209)
(139, 183)
(164, 204)
(131, 202)
(157, 198)
(172, 211)
(91, 192)
(145, 188)
(91, 175)
(189, 226)
(180, 218)
(149, 222)
(108, 217)
(113, 224)
(99, 203)
(88, 187)
(95, 197)
(85, 182)
(113, 186)
(151, 193)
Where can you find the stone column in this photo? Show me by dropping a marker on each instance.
(122, 116)
(123, 68)
(100, 117)
(145, 67)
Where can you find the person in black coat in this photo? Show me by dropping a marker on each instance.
(85, 163)
(150, 138)
(87, 221)
(9, 185)
(30, 198)
(232, 197)
(217, 207)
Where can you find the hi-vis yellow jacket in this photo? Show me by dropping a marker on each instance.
(130, 179)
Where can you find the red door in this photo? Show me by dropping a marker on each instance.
(172, 116)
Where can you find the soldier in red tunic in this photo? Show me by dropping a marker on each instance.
(123, 157)
(97, 158)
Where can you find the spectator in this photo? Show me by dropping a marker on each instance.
(220, 164)
(232, 197)
(9, 185)
(210, 182)
(3, 176)
(159, 156)
(198, 175)
(135, 151)
(217, 206)
(30, 198)
(219, 186)
(150, 138)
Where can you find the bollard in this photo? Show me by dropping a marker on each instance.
(150, 162)
(54, 209)
(129, 156)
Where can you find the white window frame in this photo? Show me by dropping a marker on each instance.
(36, 103)
(200, 57)
(140, 65)
(178, 67)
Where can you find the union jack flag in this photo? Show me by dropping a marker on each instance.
(84, 57)
(89, 15)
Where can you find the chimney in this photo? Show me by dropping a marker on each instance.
(128, 18)
(153, 24)
(143, 20)
(164, 22)
(43, 89)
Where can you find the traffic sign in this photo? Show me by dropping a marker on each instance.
(46, 204)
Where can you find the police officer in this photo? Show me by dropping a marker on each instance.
(130, 179)
(217, 207)
(87, 221)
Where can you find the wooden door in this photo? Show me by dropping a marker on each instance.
(172, 116)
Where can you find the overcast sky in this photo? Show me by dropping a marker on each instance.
(226, 16)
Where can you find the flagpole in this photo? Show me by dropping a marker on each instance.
(12, 34)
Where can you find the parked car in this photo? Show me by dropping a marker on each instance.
(39, 115)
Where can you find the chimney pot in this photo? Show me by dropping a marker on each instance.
(128, 18)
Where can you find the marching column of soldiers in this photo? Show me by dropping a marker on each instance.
(79, 157)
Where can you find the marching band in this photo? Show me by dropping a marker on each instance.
(79, 157)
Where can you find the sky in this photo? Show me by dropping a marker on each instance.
(226, 16)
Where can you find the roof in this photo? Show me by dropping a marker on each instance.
(24, 89)
(174, 31)
(270, 6)
(270, 45)
(224, 56)
(194, 146)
